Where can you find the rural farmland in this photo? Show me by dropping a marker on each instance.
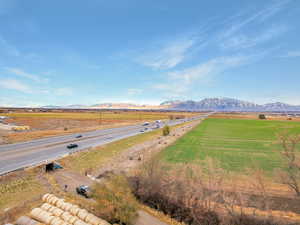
(237, 143)
(45, 124)
(150, 112)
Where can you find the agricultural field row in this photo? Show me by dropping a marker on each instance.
(237, 144)
(106, 115)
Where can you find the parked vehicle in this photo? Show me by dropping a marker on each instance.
(84, 190)
(79, 136)
(146, 124)
(72, 146)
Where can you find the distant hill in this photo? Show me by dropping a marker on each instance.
(230, 104)
(215, 104)
(127, 106)
(170, 102)
(51, 106)
(64, 107)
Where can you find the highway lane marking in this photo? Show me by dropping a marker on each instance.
(36, 141)
(19, 153)
(64, 142)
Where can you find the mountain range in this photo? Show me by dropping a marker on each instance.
(230, 104)
(216, 104)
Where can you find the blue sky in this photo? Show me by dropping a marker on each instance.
(87, 52)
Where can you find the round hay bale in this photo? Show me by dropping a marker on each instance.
(72, 219)
(57, 212)
(35, 213)
(53, 200)
(47, 219)
(50, 209)
(46, 206)
(90, 218)
(59, 203)
(45, 196)
(67, 206)
(74, 210)
(65, 216)
(79, 222)
(48, 197)
(82, 214)
(41, 215)
(56, 221)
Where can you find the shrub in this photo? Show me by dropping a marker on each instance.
(166, 130)
(262, 116)
(254, 220)
(180, 193)
(195, 194)
(171, 117)
(289, 152)
(114, 201)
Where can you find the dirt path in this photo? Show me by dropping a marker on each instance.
(135, 156)
(72, 180)
(145, 218)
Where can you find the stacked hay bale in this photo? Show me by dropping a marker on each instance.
(71, 213)
(55, 211)
(41, 215)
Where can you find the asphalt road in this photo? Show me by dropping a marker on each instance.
(24, 154)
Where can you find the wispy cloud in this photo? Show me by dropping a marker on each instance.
(243, 41)
(16, 85)
(180, 81)
(9, 49)
(21, 73)
(168, 55)
(257, 17)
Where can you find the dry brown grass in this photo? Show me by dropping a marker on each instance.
(198, 195)
(251, 116)
(30, 135)
(19, 191)
(50, 124)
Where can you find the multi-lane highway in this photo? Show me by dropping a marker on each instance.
(24, 154)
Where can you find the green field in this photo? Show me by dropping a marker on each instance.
(238, 144)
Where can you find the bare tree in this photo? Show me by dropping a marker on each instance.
(290, 174)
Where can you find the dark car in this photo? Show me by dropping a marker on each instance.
(79, 136)
(84, 191)
(72, 146)
(146, 124)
